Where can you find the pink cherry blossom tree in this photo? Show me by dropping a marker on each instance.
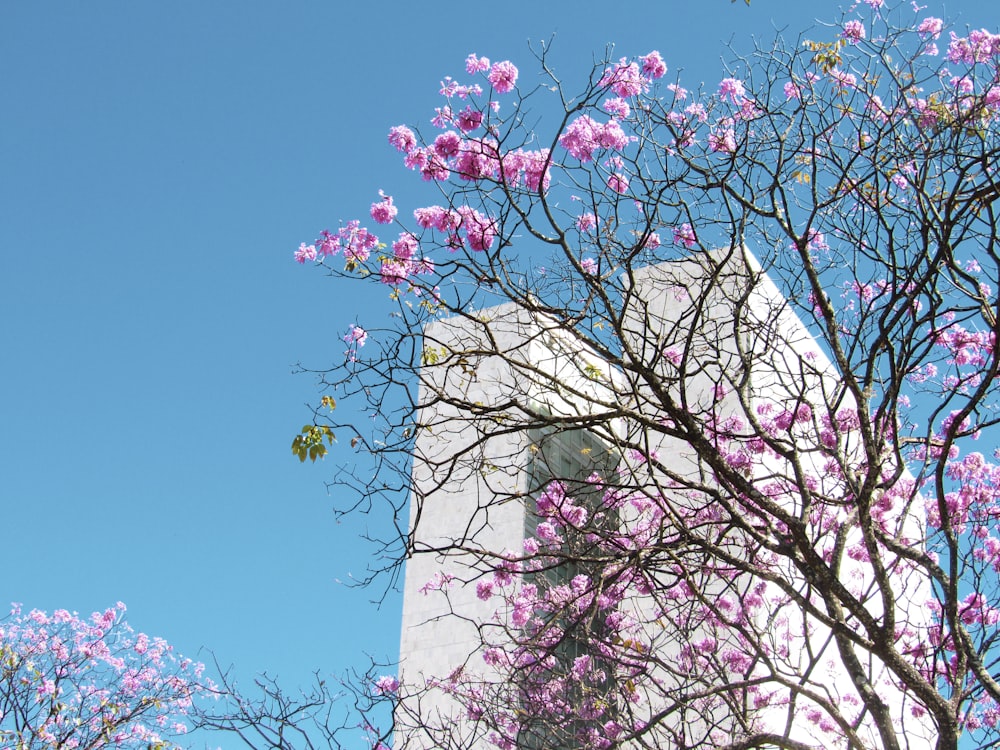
(72, 682)
(756, 459)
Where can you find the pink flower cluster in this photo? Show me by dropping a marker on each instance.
(684, 235)
(723, 139)
(854, 31)
(472, 159)
(503, 76)
(653, 66)
(979, 47)
(479, 229)
(585, 135)
(733, 90)
(930, 28)
(356, 337)
(386, 685)
(383, 212)
(92, 682)
(405, 262)
(625, 79)
(353, 241)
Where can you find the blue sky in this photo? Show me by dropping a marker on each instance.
(159, 163)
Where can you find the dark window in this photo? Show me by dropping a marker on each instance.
(570, 457)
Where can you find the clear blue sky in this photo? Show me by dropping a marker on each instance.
(159, 162)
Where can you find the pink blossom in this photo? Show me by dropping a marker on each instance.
(402, 138)
(436, 217)
(816, 240)
(503, 76)
(611, 136)
(877, 109)
(479, 229)
(443, 117)
(98, 684)
(383, 212)
(579, 138)
(844, 80)
(684, 235)
(386, 685)
(680, 93)
(305, 253)
(484, 590)
(547, 532)
(706, 645)
(478, 159)
(617, 107)
(624, 79)
(589, 266)
(448, 87)
(435, 168)
(528, 167)
(652, 242)
(854, 31)
(405, 247)
(618, 182)
(586, 222)
(328, 244)
(978, 47)
(356, 335)
(963, 84)
(452, 88)
(930, 27)
(792, 90)
(357, 241)
(438, 582)
(416, 158)
(447, 144)
(697, 110)
(732, 89)
(469, 119)
(475, 64)
(653, 65)
(584, 136)
(46, 689)
(394, 272)
(722, 139)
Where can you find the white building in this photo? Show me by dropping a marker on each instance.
(713, 337)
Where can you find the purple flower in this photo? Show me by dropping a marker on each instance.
(732, 89)
(854, 31)
(475, 64)
(356, 335)
(653, 65)
(624, 79)
(586, 222)
(383, 212)
(684, 235)
(386, 685)
(619, 183)
(402, 138)
(503, 76)
(305, 252)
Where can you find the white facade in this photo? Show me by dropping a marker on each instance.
(727, 347)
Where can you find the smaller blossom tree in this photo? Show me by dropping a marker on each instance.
(70, 682)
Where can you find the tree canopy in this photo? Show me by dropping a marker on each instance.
(771, 304)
